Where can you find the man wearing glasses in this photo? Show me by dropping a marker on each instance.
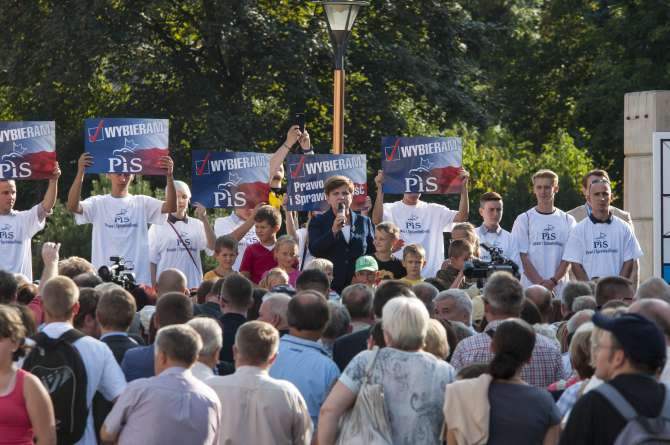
(602, 244)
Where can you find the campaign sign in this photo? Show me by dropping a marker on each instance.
(27, 149)
(421, 164)
(308, 173)
(229, 179)
(125, 145)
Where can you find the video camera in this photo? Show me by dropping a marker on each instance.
(119, 273)
(481, 270)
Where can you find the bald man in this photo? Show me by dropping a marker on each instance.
(541, 296)
(171, 280)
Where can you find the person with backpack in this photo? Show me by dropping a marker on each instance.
(632, 406)
(25, 407)
(71, 365)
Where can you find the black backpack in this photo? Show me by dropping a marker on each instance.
(59, 366)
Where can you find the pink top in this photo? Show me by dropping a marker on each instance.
(293, 277)
(15, 426)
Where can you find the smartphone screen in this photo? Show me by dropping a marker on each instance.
(299, 119)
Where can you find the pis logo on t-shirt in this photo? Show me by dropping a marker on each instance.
(600, 242)
(6, 232)
(548, 233)
(122, 217)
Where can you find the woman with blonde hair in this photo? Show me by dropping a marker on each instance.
(27, 412)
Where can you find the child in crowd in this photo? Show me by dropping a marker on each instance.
(286, 255)
(366, 271)
(451, 274)
(413, 260)
(325, 266)
(259, 257)
(225, 253)
(273, 278)
(387, 236)
(467, 232)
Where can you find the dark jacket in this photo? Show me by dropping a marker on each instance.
(119, 344)
(348, 346)
(323, 244)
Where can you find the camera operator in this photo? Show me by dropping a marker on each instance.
(490, 232)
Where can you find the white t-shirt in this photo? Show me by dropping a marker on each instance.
(226, 225)
(16, 232)
(543, 238)
(103, 373)
(120, 228)
(422, 224)
(500, 239)
(302, 246)
(167, 251)
(602, 248)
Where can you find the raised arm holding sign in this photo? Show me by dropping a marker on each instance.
(120, 219)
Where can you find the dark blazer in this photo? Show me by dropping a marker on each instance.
(323, 244)
(119, 344)
(348, 346)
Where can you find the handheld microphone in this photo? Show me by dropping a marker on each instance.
(340, 210)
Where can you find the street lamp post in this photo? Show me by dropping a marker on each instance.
(340, 15)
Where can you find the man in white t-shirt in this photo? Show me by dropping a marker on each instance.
(421, 222)
(602, 244)
(120, 220)
(490, 233)
(540, 235)
(18, 228)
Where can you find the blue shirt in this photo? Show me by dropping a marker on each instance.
(306, 364)
(138, 363)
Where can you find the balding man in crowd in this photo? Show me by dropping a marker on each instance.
(60, 299)
(657, 311)
(171, 308)
(302, 360)
(541, 296)
(211, 335)
(357, 298)
(454, 305)
(274, 310)
(614, 288)
(653, 287)
(173, 407)
(171, 280)
(258, 409)
(503, 295)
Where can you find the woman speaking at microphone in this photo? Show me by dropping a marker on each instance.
(339, 234)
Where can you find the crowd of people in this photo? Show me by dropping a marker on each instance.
(355, 327)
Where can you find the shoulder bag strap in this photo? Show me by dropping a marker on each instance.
(617, 401)
(188, 250)
(368, 368)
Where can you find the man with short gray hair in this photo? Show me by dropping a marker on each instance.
(274, 310)
(278, 409)
(211, 335)
(653, 287)
(174, 406)
(338, 325)
(454, 305)
(503, 297)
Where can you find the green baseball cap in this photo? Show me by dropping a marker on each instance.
(366, 262)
